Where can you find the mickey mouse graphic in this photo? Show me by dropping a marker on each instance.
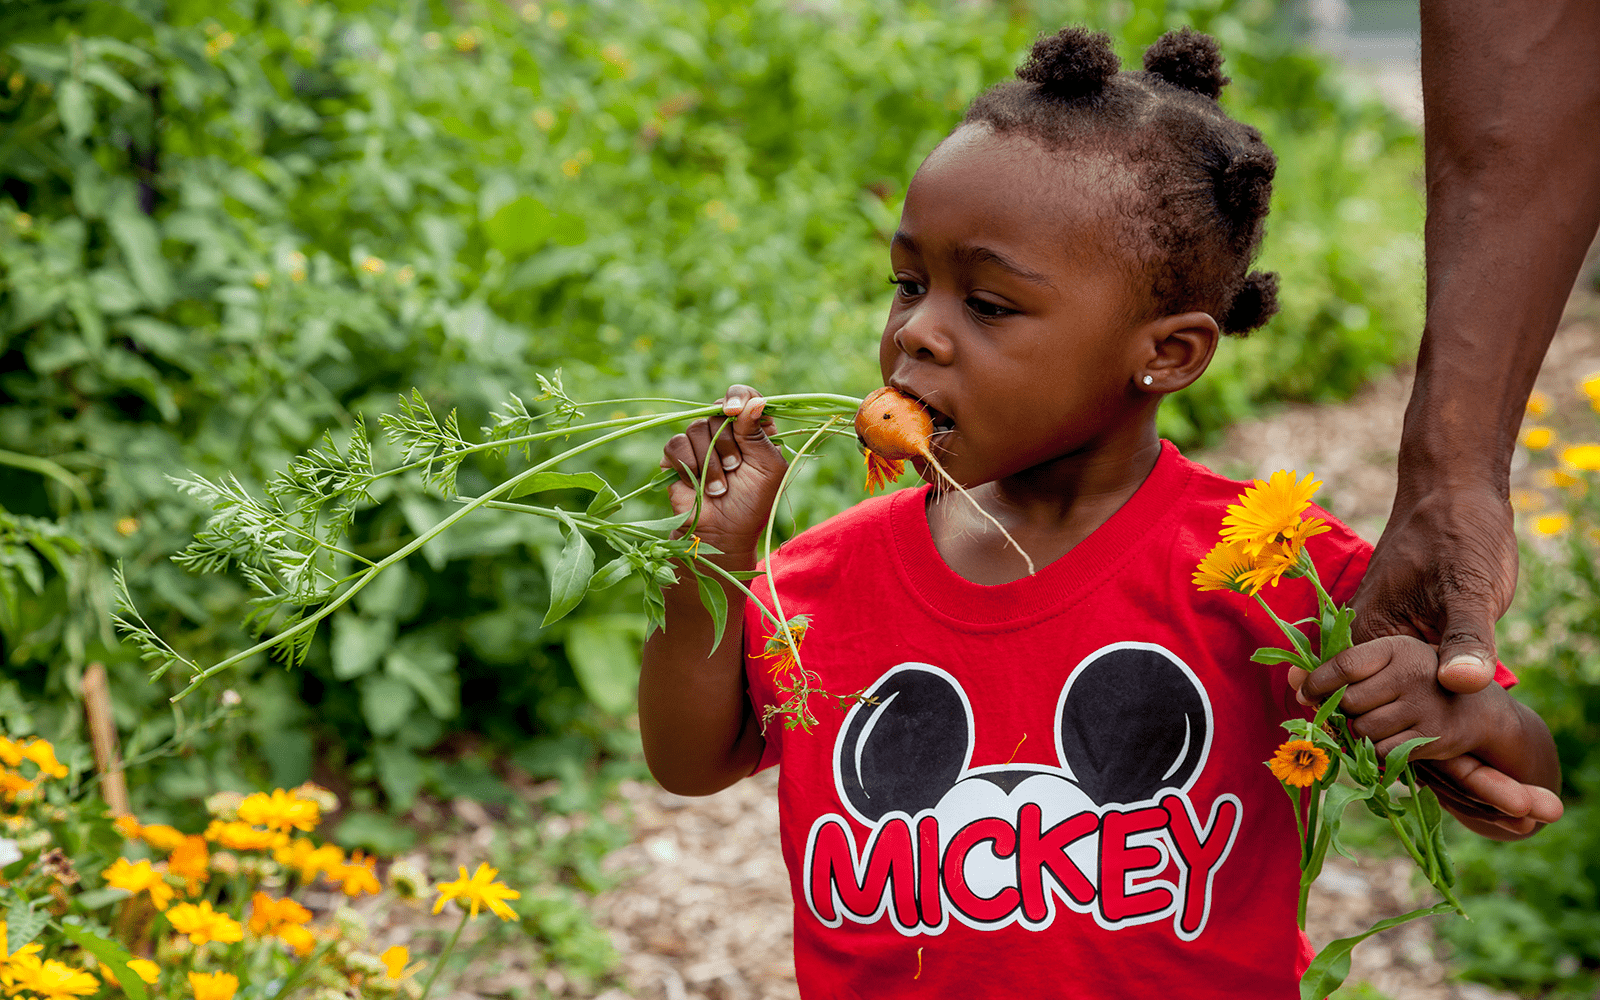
(1111, 832)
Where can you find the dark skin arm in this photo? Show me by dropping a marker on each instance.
(699, 730)
(1511, 95)
(1489, 747)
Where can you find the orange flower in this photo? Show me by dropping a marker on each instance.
(190, 861)
(127, 825)
(1272, 513)
(359, 875)
(213, 985)
(1231, 566)
(137, 878)
(309, 859)
(882, 471)
(783, 644)
(270, 916)
(1300, 763)
(240, 836)
(298, 939)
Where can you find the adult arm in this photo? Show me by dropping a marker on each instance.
(1511, 97)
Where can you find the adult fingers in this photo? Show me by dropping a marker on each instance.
(1496, 794)
(1466, 642)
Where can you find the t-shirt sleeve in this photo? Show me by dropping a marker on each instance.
(1346, 561)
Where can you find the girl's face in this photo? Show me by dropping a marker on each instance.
(1013, 309)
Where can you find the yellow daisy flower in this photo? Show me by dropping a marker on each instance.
(1538, 403)
(49, 979)
(309, 859)
(395, 961)
(162, 837)
(1300, 763)
(127, 826)
(213, 985)
(137, 878)
(1552, 524)
(1538, 438)
(1272, 512)
(480, 889)
(281, 810)
(241, 836)
(203, 924)
(1581, 456)
(42, 753)
(357, 876)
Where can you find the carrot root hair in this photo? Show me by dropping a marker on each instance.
(927, 453)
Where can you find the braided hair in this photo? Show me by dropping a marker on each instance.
(1195, 215)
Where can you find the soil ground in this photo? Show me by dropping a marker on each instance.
(704, 911)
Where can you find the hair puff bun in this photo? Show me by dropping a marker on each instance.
(1073, 62)
(1253, 304)
(1185, 58)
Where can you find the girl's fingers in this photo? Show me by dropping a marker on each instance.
(1385, 723)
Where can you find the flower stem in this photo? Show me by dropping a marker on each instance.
(438, 965)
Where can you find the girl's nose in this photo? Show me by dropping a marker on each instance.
(922, 337)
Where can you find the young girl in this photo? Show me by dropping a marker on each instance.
(1054, 786)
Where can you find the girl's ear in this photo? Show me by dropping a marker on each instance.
(1179, 347)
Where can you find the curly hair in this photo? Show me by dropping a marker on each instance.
(1196, 212)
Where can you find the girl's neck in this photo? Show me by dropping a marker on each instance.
(1048, 509)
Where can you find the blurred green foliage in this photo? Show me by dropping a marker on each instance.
(227, 227)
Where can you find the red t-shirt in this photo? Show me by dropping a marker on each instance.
(1059, 788)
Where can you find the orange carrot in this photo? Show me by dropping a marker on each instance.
(895, 426)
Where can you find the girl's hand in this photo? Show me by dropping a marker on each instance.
(742, 469)
(1495, 762)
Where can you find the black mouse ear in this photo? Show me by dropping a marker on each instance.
(1132, 721)
(905, 744)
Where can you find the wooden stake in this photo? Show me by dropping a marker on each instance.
(103, 737)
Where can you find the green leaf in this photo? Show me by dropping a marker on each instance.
(420, 661)
(1332, 964)
(358, 644)
(96, 898)
(611, 573)
(386, 702)
(545, 481)
(23, 924)
(112, 954)
(1329, 707)
(140, 243)
(520, 226)
(605, 501)
(660, 524)
(1269, 654)
(1397, 758)
(399, 772)
(604, 653)
(716, 602)
(569, 579)
(77, 111)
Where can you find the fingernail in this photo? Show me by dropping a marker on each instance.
(1301, 698)
(1466, 660)
(730, 461)
(716, 489)
(733, 406)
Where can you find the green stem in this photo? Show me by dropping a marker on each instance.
(1302, 644)
(635, 425)
(299, 972)
(45, 467)
(438, 965)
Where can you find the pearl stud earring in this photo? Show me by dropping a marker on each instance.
(1149, 379)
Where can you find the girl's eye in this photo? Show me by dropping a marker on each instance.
(907, 288)
(987, 309)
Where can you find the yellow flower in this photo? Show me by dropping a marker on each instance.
(42, 753)
(127, 825)
(357, 876)
(11, 784)
(544, 118)
(1299, 763)
(280, 811)
(1581, 456)
(1231, 566)
(203, 924)
(1271, 513)
(374, 265)
(1556, 479)
(1591, 388)
(137, 878)
(141, 967)
(241, 836)
(10, 752)
(309, 859)
(1552, 524)
(162, 837)
(394, 962)
(882, 471)
(297, 938)
(1538, 438)
(1538, 403)
(213, 985)
(49, 979)
(480, 889)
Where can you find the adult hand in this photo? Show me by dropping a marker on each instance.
(1443, 572)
